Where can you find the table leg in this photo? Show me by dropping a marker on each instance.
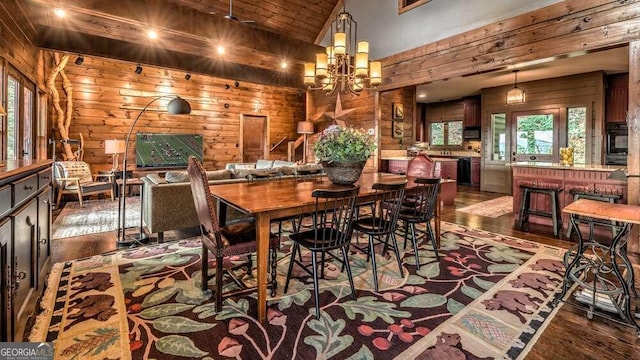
(263, 227)
(438, 219)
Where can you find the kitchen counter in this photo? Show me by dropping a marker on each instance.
(575, 167)
(456, 154)
(583, 178)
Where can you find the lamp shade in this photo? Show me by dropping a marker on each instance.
(114, 146)
(178, 106)
(305, 127)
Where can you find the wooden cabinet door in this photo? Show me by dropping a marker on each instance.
(475, 171)
(617, 98)
(471, 112)
(43, 247)
(25, 225)
(6, 323)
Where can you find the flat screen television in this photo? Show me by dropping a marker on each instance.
(167, 150)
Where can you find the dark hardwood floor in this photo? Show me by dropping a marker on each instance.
(570, 335)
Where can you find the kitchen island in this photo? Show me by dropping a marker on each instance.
(584, 178)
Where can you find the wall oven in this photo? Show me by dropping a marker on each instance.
(616, 143)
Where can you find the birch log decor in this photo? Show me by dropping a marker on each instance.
(63, 120)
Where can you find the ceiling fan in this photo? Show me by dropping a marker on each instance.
(231, 17)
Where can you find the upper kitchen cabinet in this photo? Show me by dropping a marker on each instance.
(617, 98)
(471, 111)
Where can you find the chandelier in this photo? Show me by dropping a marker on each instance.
(345, 64)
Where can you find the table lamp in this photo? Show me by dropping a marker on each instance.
(305, 128)
(114, 148)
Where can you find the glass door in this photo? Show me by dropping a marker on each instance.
(535, 135)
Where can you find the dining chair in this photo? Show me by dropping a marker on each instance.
(332, 229)
(421, 166)
(381, 224)
(420, 208)
(236, 239)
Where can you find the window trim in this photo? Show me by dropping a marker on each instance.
(402, 8)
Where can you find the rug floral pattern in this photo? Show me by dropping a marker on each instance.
(484, 299)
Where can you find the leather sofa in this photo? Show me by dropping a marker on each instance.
(168, 202)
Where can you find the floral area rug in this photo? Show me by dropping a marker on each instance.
(96, 216)
(491, 208)
(486, 298)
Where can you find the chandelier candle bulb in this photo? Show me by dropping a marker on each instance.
(362, 65)
(327, 84)
(363, 47)
(340, 43)
(358, 84)
(321, 65)
(375, 73)
(309, 74)
(331, 55)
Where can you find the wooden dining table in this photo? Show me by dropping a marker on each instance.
(272, 199)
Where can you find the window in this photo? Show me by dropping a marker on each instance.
(406, 5)
(535, 135)
(577, 133)
(18, 136)
(499, 137)
(446, 133)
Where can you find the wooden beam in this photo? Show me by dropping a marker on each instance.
(633, 119)
(75, 42)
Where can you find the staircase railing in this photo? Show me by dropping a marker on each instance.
(275, 146)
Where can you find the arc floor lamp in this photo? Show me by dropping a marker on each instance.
(177, 106)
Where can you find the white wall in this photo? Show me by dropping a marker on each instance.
(390, 33)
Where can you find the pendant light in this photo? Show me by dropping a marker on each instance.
(515, 96)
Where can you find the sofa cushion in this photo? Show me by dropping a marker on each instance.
(175, 176)
(264, 164)
(218, 175)
(255, 173)
(308, 168)
(282, 163)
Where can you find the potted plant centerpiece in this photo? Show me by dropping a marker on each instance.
(343, 153)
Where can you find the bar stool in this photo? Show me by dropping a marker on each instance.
(553, 191)
(593, 194)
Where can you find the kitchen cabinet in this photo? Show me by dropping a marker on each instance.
(475, 171)
(472, 113)
(25, 225)
(617, 98)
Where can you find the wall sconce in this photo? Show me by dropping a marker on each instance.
(138, 69)
(79, 60)
(257, 106)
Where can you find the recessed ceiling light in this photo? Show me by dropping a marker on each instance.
(422, 95)
(152, 34)
(283, 65)
(59, 12)
(220, 49)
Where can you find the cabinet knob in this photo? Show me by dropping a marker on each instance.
(28, 187)
(43, 241)
(21, 275)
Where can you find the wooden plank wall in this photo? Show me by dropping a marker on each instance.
(406, 97)
(560, 29)
(108, 95)
(17, 38)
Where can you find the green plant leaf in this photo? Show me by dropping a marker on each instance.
(471, 292)
(371, 309)
(424, 301)
(179, 345)
(163, 310)
(363, 354)
(430, 271)
(179, 324)
(484, 284)
(328, 342)
(454, 307)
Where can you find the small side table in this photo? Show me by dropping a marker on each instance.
(121, 238)
(602, 269)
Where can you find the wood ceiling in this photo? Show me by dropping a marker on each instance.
(189, 32)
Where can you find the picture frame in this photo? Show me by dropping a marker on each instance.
(397, 111)
(397, 130)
